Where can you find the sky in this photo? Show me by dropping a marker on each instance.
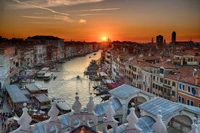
(91, 20)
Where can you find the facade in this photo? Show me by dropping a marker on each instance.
(40, 54)
(6, 54)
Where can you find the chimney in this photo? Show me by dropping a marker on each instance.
(197, 79)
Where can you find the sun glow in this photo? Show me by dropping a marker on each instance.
(104, 38)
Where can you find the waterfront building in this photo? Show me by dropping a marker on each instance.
(6, 54)
(53, 53)
(28, 55)
(49, 41)
(40, 54)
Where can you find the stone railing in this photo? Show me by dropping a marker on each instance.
(86, 115)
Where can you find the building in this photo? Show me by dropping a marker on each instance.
(173, 38)
(159, 41)
(6, 54)
(49, 41)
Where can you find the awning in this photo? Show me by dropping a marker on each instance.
(112, 85)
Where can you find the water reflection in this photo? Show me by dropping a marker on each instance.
(66, 83)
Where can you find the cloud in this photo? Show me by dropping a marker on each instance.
(82, 21)
(56, 17)
(97, 9)
(52, 3)
(40, 7)
(89, 14)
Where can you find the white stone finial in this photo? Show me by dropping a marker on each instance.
(132, 121)
(159, 126)
(53, 120)
(194, 126)
(77, 105)
(110, 112)
(109, 119)
(53, 112)
(90, 105)
(24, 121)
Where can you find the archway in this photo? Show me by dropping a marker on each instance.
(179, 124)
(137, 101)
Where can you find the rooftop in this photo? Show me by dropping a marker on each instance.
(16, 94)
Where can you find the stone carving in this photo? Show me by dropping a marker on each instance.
(159, 126)
(194, 126)
(132, 119)
(109, 120)
(53, 120)
(24, 122)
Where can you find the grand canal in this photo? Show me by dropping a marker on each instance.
(66, 84)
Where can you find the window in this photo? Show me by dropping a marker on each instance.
(161, 71)
(192, 104)
(165, 81)
(153, 85)
(173, 84)
(189, 90)
(179, 99)
(161, 80)
(156, 86)
(182, 100)
(165, 90)
(134, 69)
(153, 77)
(193, 91)
(161, 88)
(173, 93)
(183, 87)
(168, 82)
(188, 102)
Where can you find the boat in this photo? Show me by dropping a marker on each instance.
(62, 105)
(94, 54)
(78, 77)
(101, 93)
(105, 97)
(89, 56)
(42, 72)
(54, 77)
(28, 81)
(47, 76)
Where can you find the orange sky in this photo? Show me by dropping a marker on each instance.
(90, 20)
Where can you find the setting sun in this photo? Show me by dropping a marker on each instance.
(104, 38)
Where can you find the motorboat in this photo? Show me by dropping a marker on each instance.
(54, 77)
(42, 72)
(47, 76)
(62, 105)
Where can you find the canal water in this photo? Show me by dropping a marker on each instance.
(66, 84)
